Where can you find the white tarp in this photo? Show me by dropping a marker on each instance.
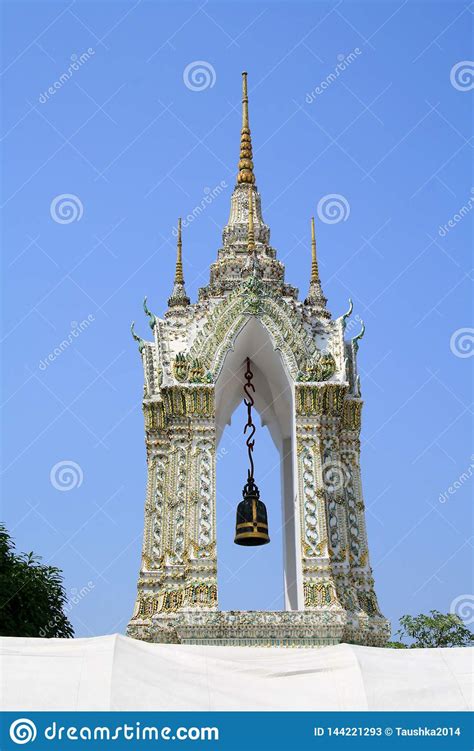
(117, 673)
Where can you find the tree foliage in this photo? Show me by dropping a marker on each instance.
(32, 595)
(433, 630)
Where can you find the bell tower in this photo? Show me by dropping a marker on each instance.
(305, 377)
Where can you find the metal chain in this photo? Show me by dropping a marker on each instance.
(249, 402)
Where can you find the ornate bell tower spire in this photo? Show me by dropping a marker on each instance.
(233, 257)
(310, 393)
(314, 262)
(245, 174)
(178, 295)
(315, 293)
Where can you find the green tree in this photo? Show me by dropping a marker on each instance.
(433, 630)
(32, 595)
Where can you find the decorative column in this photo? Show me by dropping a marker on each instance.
(179, 567)
(361, 582)
(318, 408)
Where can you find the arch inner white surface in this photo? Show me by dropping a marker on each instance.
(274, 403)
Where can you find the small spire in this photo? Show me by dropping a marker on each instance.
(251, 234)
(178, 277)
(178, 295)
(245, 174)
(315, 294)
(314, 262)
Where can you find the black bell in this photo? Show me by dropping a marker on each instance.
(251, 526)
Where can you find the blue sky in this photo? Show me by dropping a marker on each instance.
(129, 137)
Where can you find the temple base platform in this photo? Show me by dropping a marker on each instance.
(263, 628)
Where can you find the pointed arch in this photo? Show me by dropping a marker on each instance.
(229, 317)
(274, 402)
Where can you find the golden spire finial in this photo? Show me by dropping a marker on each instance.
(179, 297)
(245, 102)
(250, 235)
(178, 277)
(245, 174)
(315, 293)
(314, 262)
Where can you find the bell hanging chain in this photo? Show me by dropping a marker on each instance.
(249, 402)
(251, 525)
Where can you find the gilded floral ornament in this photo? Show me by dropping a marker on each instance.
(252, 294)
(320, 368)
(325, 367)
(180, 367)
(196, 372)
